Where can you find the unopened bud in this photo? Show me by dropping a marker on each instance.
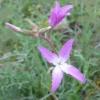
(13, 27)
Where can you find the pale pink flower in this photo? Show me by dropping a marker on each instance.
(61, 67)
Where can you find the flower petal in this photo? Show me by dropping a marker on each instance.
(53, 19)
(57, 76)
(66, 50)
(48, 55)
(73, 71)
(56, 7)
(65, 11)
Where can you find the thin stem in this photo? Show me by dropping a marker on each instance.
(44, 98)
(50, 94)
(48, 41)
(35, 32)
(55, 97)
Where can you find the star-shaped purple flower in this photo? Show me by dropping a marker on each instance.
(61, 67)
(58, 13)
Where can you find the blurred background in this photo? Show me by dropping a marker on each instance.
(23, 73)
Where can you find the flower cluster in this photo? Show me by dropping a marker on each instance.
(58, 13)
(59, 60)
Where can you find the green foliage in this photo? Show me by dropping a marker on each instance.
(23, 72)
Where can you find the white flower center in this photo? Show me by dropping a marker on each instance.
(58, 62)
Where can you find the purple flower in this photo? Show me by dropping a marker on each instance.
(58, 13)
(61, 67)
